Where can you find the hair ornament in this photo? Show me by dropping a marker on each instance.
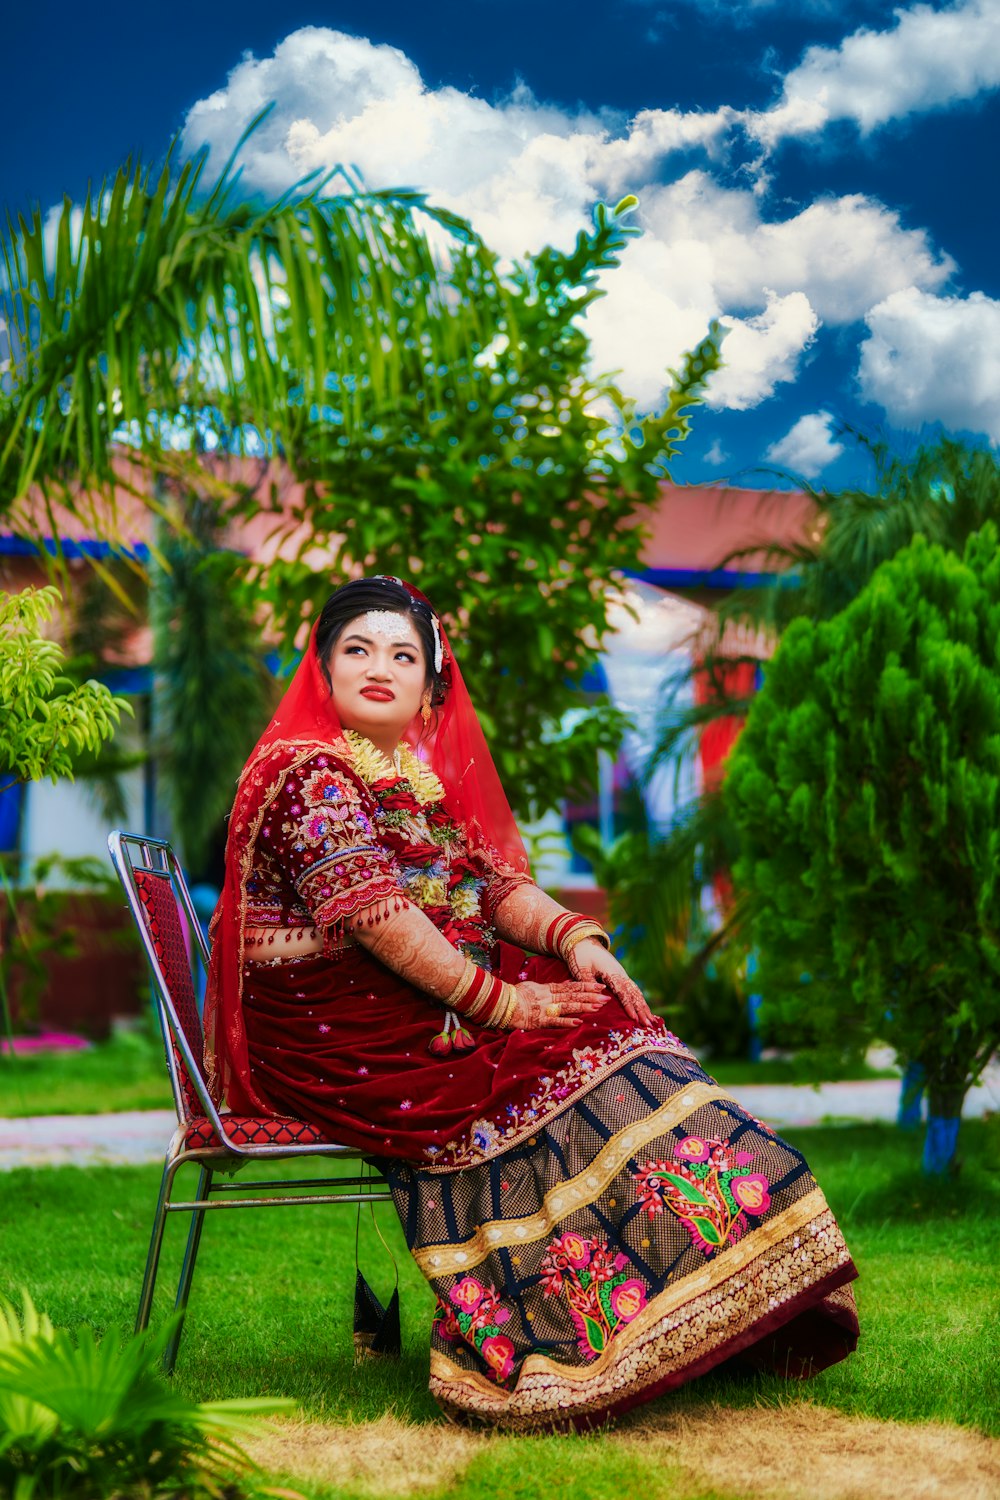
(438, 647)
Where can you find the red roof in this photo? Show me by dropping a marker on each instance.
(696, 527)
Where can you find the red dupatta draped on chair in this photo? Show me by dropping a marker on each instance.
(306, 720)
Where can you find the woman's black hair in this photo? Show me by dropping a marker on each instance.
(357, 598)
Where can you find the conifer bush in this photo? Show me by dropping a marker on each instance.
(866, 790)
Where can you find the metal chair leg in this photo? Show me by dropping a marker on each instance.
(187, 1271)
(155, 1243)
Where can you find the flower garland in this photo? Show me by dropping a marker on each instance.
(373, 765)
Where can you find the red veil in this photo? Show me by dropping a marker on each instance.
(306, 720)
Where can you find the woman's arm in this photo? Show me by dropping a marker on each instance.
(409, 944)
(525, 917)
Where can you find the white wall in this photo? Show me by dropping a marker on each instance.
(65, 819)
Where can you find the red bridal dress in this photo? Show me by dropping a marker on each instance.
(599, 1219)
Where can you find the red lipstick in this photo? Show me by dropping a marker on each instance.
(378, 694)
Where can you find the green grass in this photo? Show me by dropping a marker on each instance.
(127, 1072)
(271, 1311)
(795, 1069)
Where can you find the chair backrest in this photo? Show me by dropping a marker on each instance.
(157, 894)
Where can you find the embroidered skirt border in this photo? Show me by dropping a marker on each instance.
(649, 1231)
(676, 1342)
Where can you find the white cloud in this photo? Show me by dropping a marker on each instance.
(846, 253)
(935, 359)
(930, 58)
(527, 174)
(808, 447)
(759, 353)
(716, 455)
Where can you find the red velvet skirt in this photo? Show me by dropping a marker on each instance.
(599, 1219)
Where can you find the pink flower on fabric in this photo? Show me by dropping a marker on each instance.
(751, 1193)
(498, 1352)
(692, 1148)
(323, 1028)
(574, 1247)
(316, 826)
(628, 1299)
(743, 1158)
(363, 1071)
(468, 1294)
(406, 1104)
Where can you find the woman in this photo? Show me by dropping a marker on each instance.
(600, 1221)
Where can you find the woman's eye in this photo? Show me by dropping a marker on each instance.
(405, 656)
(349, 650)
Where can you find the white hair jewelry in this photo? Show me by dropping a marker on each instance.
(438, 648)
(387, 623)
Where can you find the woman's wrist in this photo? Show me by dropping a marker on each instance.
(483, 997)
(569, 929)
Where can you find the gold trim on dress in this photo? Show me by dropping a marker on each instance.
(578, 1192)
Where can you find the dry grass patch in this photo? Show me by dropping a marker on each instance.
(804, 1450)
(799, 1452)
(387, 1457)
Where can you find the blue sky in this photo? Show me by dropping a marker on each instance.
(820, 175)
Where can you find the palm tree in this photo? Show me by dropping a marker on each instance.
(158, 304)
(374, 345)
(160, 311)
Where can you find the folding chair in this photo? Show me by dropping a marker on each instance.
(216, 1141)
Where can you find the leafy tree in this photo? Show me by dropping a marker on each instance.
(866, 790)
(514, 502)
(437, 404)
(46, 723)
(945, 491)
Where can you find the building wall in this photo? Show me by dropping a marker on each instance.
(66, 819)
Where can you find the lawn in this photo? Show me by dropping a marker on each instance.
(272, 1304)
(128, 1073)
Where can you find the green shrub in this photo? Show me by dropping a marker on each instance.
(83, 1418)
(866, 791)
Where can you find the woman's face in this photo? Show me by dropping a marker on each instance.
(378, 672)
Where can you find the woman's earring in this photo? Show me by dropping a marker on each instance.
(425, 709)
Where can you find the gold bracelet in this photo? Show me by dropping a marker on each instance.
(500, 1019)
(580, 935)
(462, 988)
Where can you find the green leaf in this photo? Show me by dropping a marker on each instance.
(688, 1191)
(595, 1332)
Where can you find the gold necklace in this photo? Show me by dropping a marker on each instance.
(374, 765)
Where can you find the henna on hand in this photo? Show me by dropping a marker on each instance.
(590, 959)
(564, 1004)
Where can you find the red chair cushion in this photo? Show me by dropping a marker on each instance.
(254, 1130)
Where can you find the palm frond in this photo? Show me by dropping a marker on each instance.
(154, 300)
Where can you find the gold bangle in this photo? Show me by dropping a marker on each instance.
(580, 934)
(504, 1009)
(462, 988)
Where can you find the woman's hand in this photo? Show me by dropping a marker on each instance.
(564, 1004)
(591, 960)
